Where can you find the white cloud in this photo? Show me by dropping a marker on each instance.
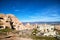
(41, 19)
(55, 15)
(17, 10)
(34, 17)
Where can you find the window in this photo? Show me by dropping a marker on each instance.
(1, 18)
(6, 27)
(48, 30)
(38, 27)
(7, 21)
(51, 28)
(1, 26)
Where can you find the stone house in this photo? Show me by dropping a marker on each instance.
(46, 29)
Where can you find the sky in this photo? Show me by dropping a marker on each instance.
(32, 10)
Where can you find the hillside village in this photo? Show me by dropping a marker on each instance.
(10, 21)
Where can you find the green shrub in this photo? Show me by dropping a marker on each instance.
(5, 31)
(34, 32)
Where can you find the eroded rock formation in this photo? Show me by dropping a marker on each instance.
(10, 21)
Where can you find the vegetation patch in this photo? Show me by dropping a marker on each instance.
(42, 38)
(5, 31)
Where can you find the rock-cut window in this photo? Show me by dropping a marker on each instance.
(51, 28)
(1, 26)
(1, 18)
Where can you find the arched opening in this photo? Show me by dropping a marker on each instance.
(1, 26)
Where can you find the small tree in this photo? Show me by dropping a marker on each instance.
(34, 32)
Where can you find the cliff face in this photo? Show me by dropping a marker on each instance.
(14, 22)
(10, 21)
(4, 22)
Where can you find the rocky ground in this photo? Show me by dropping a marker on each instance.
(14, 37)
(22, 35)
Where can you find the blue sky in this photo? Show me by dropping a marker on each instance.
(32, 10)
